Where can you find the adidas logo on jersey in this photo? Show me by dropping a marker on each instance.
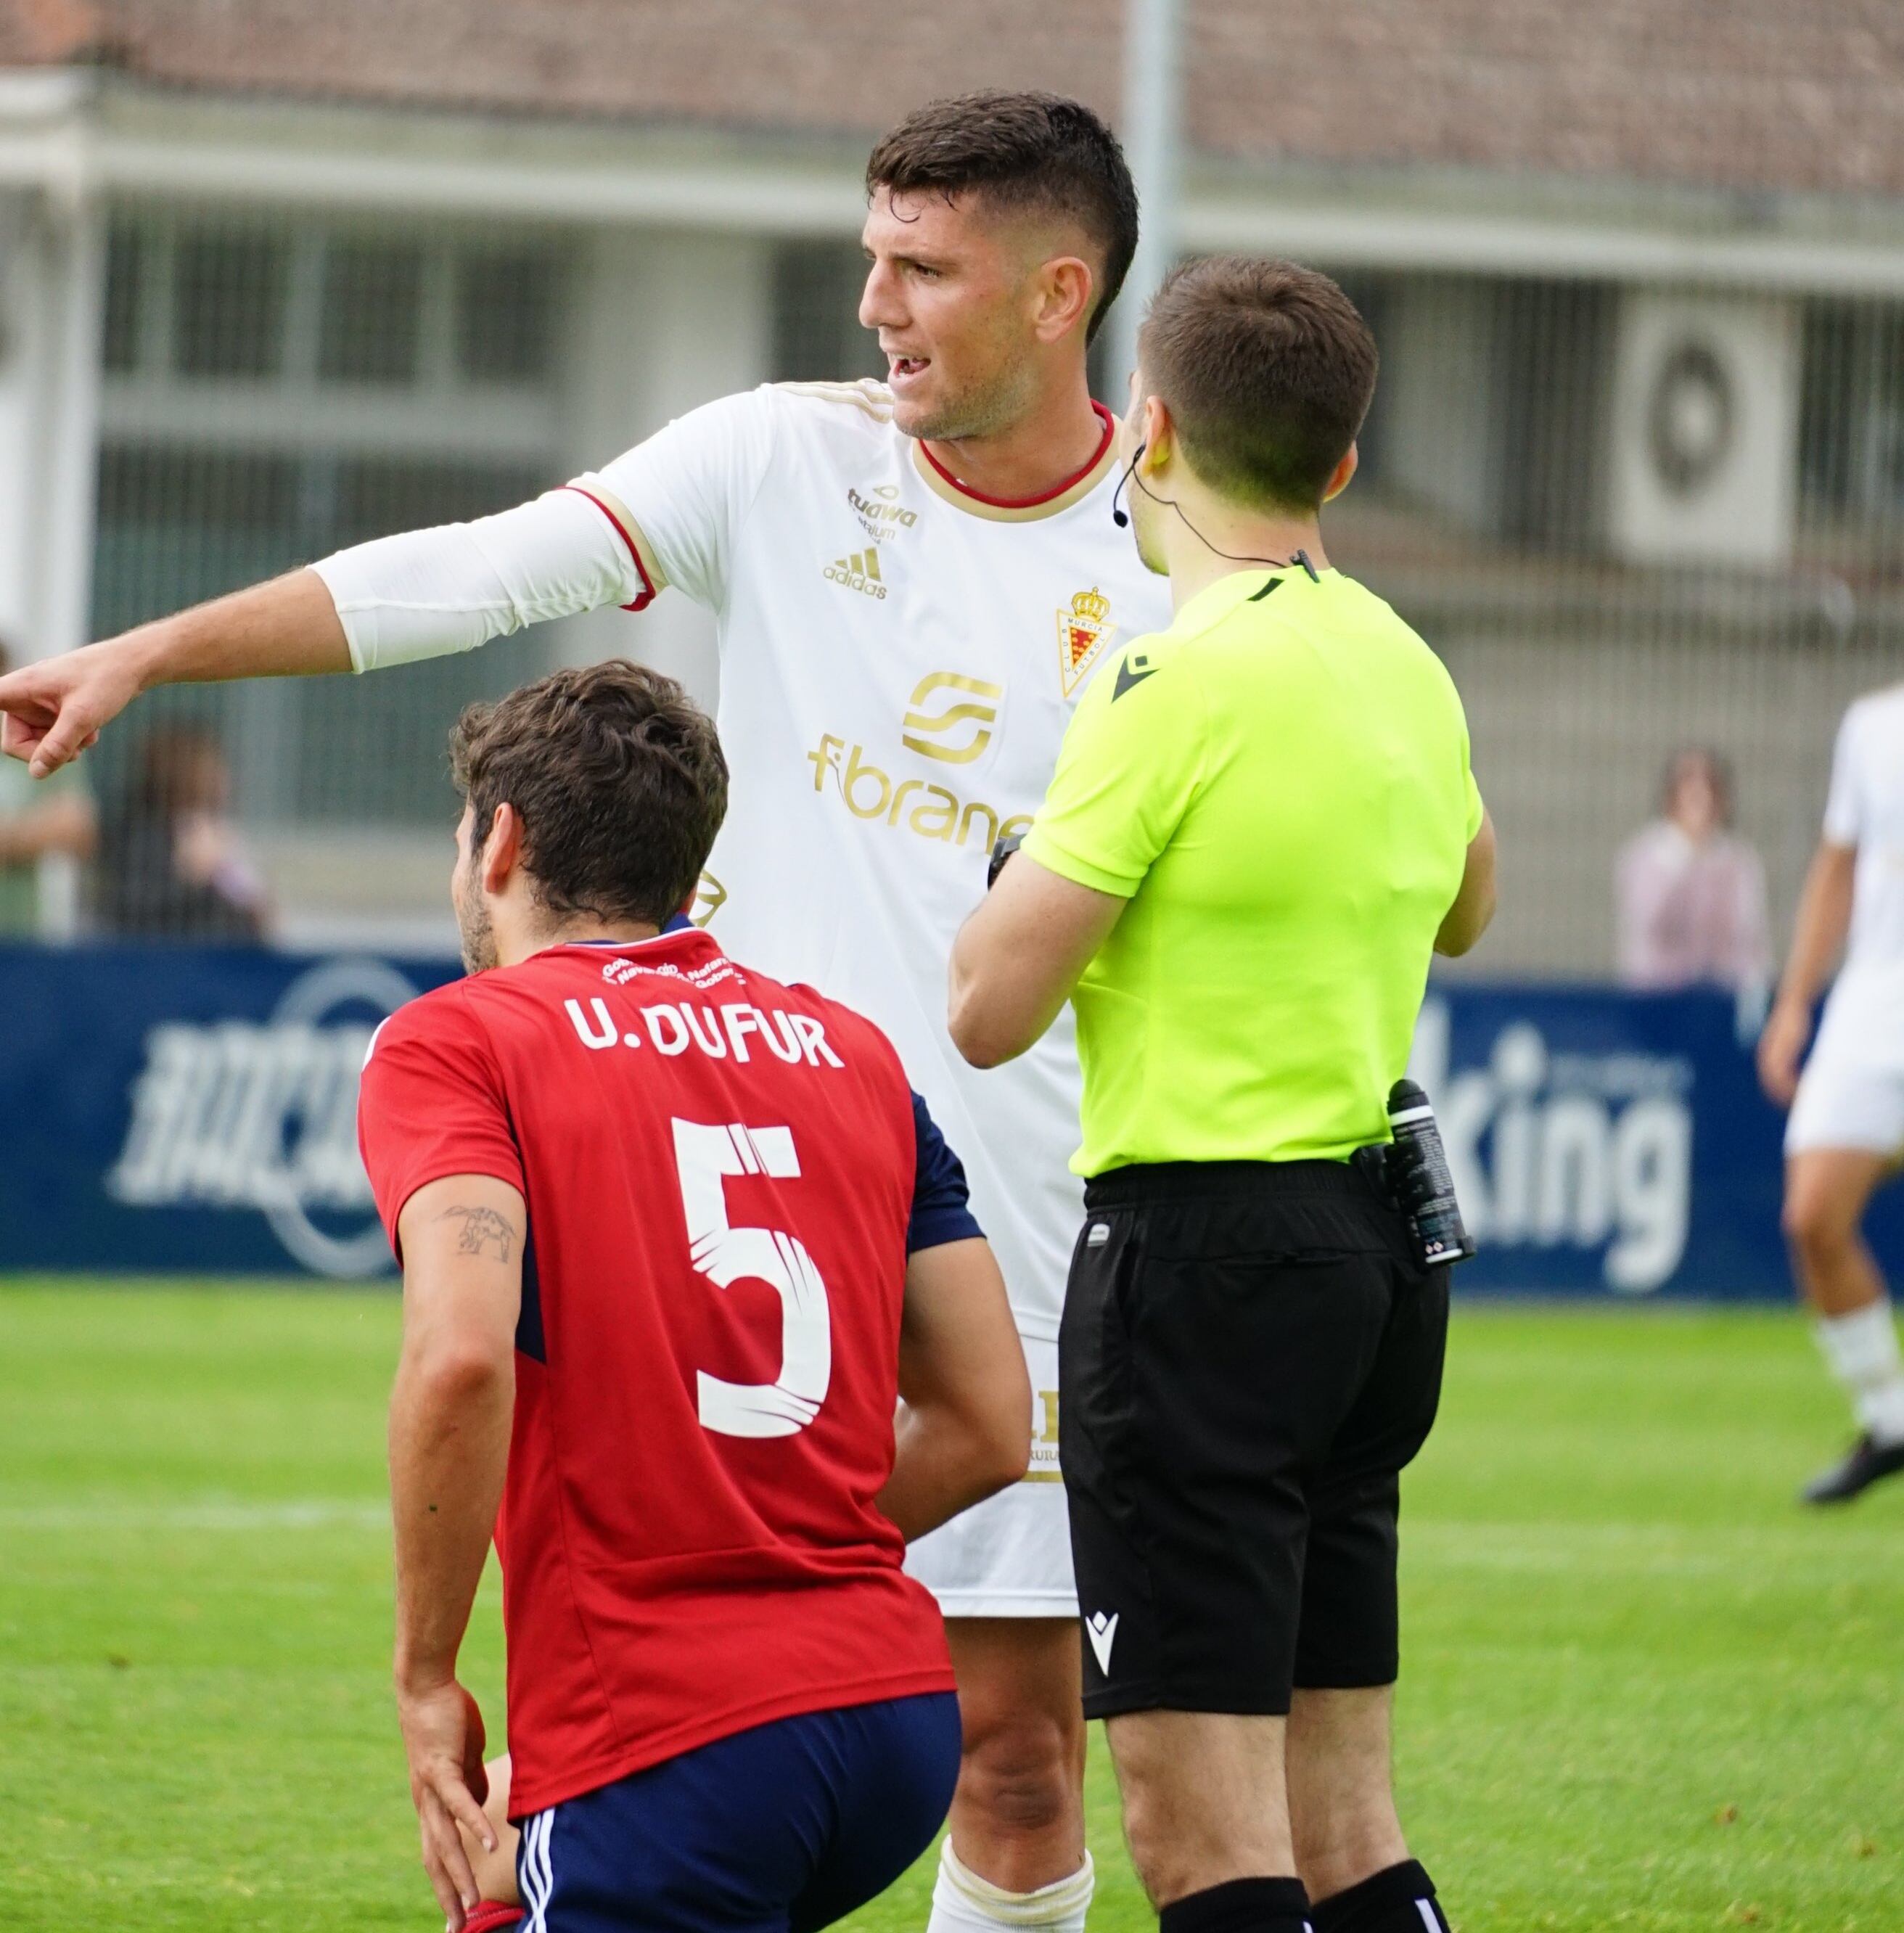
(859, 572)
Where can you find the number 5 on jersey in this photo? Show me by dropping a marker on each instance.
(704, 1158)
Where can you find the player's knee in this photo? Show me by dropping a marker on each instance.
(1816, 1223)
(1017, 1773)
(1170, 1854)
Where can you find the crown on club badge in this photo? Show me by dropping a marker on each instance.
(1082, 632)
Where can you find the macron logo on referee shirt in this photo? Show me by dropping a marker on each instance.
(1102, 1629)
(1135, 668)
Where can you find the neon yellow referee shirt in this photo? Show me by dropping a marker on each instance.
(1280, 786)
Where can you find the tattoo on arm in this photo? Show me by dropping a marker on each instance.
(482, 1226)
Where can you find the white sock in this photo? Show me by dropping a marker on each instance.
(964, 1903)
(1862, 1349)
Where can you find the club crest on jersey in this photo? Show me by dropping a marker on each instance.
(1083, 631)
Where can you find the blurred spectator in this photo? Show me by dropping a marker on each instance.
(171, 863)
(1690, 892)
(44, 819)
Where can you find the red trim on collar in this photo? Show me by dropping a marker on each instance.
(1071, 482)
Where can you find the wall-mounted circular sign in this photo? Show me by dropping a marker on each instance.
(1690, 417)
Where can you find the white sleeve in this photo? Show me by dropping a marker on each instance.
(687, 491)
(426, 594)
(1843, 816)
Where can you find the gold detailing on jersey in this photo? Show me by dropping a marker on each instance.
(710, 896)
(984, 715)
(975, 506)
(1083, 631)
(908, 805)
(873, 399)
(1044, 1468)
(859, 572)
(590, 485)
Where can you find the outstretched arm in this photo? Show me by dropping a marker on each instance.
(55, 709)
(391, 601)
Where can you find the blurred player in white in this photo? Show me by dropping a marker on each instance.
(914, 582)
(1846, 1135)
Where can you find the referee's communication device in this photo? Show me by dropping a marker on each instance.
(1003, 848)
(1416, 1171)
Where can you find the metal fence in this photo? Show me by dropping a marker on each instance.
(1632, 519)
(1635, 520)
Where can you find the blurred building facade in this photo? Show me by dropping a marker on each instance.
(273, 280)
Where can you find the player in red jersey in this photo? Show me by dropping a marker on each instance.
(676, 1238)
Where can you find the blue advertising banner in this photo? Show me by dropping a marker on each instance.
(190, 1109)
(1604, 1142)
(193, 1109)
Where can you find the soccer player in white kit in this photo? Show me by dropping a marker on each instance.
(1846, 1135)
(914, 582)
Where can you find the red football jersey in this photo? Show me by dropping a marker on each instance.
(719, 1171)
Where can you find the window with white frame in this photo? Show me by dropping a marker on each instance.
(273, 388)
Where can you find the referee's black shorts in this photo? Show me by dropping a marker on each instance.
(1248, 1358)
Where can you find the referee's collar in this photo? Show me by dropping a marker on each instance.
(1255, 585)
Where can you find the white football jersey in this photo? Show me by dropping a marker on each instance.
(1866, 810)
(899, 659)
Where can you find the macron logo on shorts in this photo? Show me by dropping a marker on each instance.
(1103, 1631)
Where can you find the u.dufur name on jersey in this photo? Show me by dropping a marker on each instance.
(673, 1026)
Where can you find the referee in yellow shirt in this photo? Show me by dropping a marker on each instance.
(1262, 823)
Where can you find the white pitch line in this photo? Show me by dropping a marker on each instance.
(309, 1514)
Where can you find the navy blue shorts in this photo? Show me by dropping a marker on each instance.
(787, 1827)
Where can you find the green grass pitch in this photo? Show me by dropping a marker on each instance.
(1640, 1690)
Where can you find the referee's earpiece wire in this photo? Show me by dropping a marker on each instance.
(1119, 515)
(1121, 518)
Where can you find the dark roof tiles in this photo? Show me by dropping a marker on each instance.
(1736, 94)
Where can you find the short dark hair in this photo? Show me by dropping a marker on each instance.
(1037, 151)
(1266, 369)
(619, 780)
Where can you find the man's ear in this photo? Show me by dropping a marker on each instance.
(502, 849)
(1340, 476)
(1066, 288)
(1159, 436)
